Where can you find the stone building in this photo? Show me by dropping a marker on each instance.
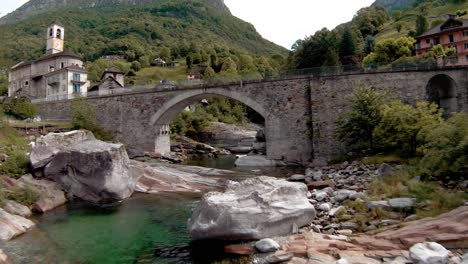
(57, 75)
(112, 81)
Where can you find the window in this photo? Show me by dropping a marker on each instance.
(76, 77)
(451, 38)
(51, 32)
(436, 41)
(465, 33)
(59, 33)
(428, 41)
(26, 83)
(76, 88)
(466, 45)
(418, 45)
(62, 65)
(51, 68)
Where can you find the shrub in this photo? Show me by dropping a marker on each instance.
(404, 127)
(356, 128)
(17, 164)
(446, 151)
(20, 108)
(26, 196)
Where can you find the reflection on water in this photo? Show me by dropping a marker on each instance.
(143, 229)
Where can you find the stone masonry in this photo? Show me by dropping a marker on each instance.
(300, 112)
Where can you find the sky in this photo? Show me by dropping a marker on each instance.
(282, 22)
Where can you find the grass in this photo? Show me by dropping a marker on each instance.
(23, 124)
(408, 20)
(26, 196)
(401, 184)
(383, 158)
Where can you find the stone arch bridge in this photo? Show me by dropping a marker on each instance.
(300, 112)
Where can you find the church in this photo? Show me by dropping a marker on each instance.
(58, 75)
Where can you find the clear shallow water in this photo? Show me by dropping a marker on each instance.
(143, 229)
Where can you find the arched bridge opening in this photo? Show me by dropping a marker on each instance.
(162, 119)
(442, 90)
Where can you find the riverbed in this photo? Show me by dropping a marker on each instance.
(143, 229)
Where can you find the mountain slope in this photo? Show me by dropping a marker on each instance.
(133, 31)
(392, 5)
(35, 7)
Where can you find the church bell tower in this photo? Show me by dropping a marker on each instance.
(55, 37)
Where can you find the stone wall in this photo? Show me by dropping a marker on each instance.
(300, 113)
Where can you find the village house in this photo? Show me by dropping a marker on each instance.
(58, 75)
(112, 81)
(451, 33)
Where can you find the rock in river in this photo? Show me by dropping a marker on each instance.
(94, 171)
(255, 161)
(13, 225)
(252, 209)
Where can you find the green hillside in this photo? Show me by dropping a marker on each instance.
(392, 5)
(134, 31)
(435, 14)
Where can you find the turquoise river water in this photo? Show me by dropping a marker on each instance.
(143, 229)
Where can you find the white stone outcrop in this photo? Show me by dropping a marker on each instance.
(252, 209)
(50, 193)
(13, 225)
(94, 171)
(429, 253)
(13, 207)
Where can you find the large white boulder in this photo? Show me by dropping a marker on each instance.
(252, 209)
(429, 253)
(94, 171)
(13, 225)
(46, 147)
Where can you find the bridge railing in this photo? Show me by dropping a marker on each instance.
(296, 73)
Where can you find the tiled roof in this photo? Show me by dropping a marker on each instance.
(47, 57)
(441, 28)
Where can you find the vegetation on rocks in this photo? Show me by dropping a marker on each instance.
(20, 108)
(26, 196)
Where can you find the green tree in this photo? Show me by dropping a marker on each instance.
(83, 118)
(347, 45)
(398, 27)
(397, 15)
(165, 54)
(404, 127)
(356, 128)
(369, 44)
(3, 85)
(318, 50)
(390, 50)
(136, 66)
(421, 24)
(209, 73)
(369, 20)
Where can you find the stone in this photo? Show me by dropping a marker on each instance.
(464, 259)
(429, 253)
(345, 232)
(356, 196)
(320, 196)
(94, 171)
(297, 177)
(13, 225)
(375, 204)
(384, 170)
(342, 261)
(325, 207)
(350, 225)
(253, 209)
(267, 245)
(157, 178)
(411, 218)
(343, 195)
(4, 258)
(279, 257)
(50, 193)
(15, 208)
(243, 250)
(316, 257)
(135, 153)
(389, 222)
(333, 212)
(46, 147)
(401, 203)
(320, 184)
(255, 161)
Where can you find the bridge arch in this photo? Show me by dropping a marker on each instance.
(164, 115)
(442, 89)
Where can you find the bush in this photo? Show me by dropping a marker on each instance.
(356, 128)
(20, 108)
(403, 127)
(26, 196)
(16, 165)
(446, 151)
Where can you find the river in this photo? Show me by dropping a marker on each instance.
(143, 229)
